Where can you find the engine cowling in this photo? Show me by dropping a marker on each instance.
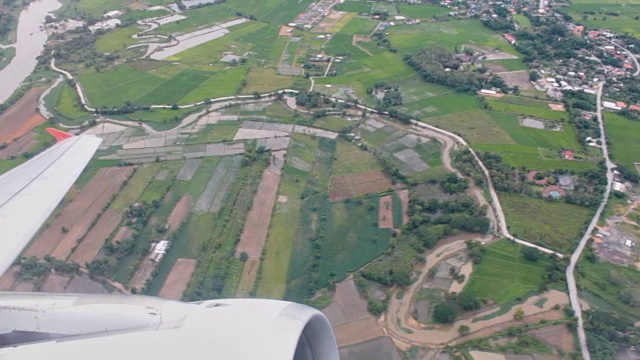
(69, 327)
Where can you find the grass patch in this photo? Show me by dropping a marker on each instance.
(135, 186)
(115, 87)
(504, 275)
(623, 135)
(475, 126)
(604, 285)
(450, 34)
(419, 11)
(514, 105)
(174, 89)
(354, 6)
(441, 105)
(223, 131)
(116, 40)
(67, 104)
(625, 22)
(266, 80)
(552, 224)
(564, 139)
(349, 159)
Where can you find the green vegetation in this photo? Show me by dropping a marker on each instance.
(622, 134)
(116, 40)
(354, 6)
(505, 275)
(475, 126)
(6, 55)
(610, 287)
(514, 105)
(68, 104)
(350, 159)
(598, 14)
(555, 225)
(419, 11)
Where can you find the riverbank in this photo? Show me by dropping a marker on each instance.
(30, 41)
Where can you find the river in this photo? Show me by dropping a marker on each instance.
(29, 45)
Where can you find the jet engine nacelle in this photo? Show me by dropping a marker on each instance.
(117, 327)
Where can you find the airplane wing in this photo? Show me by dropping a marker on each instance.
(83, 326)
(30, 192)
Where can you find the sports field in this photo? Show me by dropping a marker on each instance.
(553, 224)
(504, 275)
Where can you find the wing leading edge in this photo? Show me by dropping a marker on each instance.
(30, 192)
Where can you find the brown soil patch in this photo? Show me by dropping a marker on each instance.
(178, 279)
(285, 30)
(385, 212)
(557, 107)
(256, 227)
(557, 336)
(357, 332)
(143, 274)
(532, 319)
(517, 78)
(179, 213)
(96, 237)
(78, 214)
(357, 184)
(137, 5)
(55, 283)
(328, 21)
(495, 68)
(8, 278)
(404, 199)
(21, 117)
(248, 278)
(22, 145)
(122, 234)
(81, 284)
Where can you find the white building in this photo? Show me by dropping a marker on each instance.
(610, 105)
(113, 14)
(105, 25)
(159, 250)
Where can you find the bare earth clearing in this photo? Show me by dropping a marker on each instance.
(179, 213)
(95, 238)
(349, 316)
(404, 198)
(178, 279)
(254, 234)
(21, 117)
(23, 144)
(385, 212)
(77, 216)
(357, 184)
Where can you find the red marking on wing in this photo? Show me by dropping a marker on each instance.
(59, 134)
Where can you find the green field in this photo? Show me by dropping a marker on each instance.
(522, 20)
(116, 40)
(552, 224)
(115, 87)
(282, 233)
(623, 134)
(418, 11)
(441, 105)
(603, 285)
(510, 64)
(504, 275)
(515, 105)
(450, 34)
(174, 89)
(625, 22)
(351, 159)
(67, 104)
(135, 186)
(534, 158)
(475, 126)
(558, 140)
(274, 11)
(354, 6)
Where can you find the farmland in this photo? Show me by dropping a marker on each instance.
(553, 224)
(622, 133)
(505, 275)
(591, 13)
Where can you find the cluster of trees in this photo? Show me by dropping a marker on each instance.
(103, 267)
(7, 22)
(502, 22)
(311, 99)
(391, 95)
(32, 268)
(452, 184)
(429, 222)
(438, 65)
(588, 189)
(548, 40)
(466, 163)
(607, 333)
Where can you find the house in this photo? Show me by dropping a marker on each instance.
(634, 108)
(566, 182)
(112, 14)
(488, 92)
(577, 31)
(610, 105)
(618, 186)
(553, 191)
(104, 25)
(510, 38)
(159, 250)
(567, 154)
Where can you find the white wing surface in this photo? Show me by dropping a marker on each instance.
(30, 192)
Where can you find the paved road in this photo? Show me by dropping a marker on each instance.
(571, 282)
(631, 55)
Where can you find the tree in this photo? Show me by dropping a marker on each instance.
(468, 301)
(244, 256)
(532, 254)
(463, 330)
(444, 313)
(534, 76)
(518, 314)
